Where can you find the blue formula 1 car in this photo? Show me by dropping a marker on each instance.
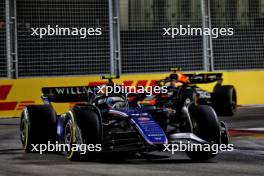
(116, 123)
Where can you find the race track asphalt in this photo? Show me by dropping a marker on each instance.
(247, 135)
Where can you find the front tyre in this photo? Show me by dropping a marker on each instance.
(206, 126)
(82, 128)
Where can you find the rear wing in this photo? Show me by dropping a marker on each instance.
(204, 77)
(67, 94)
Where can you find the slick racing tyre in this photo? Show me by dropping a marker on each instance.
(225, 100)
(37, 126)
(82, 127)
(206, 126)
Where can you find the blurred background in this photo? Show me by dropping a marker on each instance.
(132, 39)
(132, 45)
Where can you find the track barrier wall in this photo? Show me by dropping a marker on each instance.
(15, 94)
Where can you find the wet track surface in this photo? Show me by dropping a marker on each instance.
(246, 127)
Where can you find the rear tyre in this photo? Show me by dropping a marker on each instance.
(206, 126)
(225, 100)
(37, 126)
(82, 128)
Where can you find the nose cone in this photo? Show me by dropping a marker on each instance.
(149, 129)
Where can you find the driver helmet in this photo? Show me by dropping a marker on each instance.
(174, 80)
(116, 102)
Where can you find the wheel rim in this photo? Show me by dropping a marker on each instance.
(234, 101)
(24, 132)
(68, 133)
(70, 138)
